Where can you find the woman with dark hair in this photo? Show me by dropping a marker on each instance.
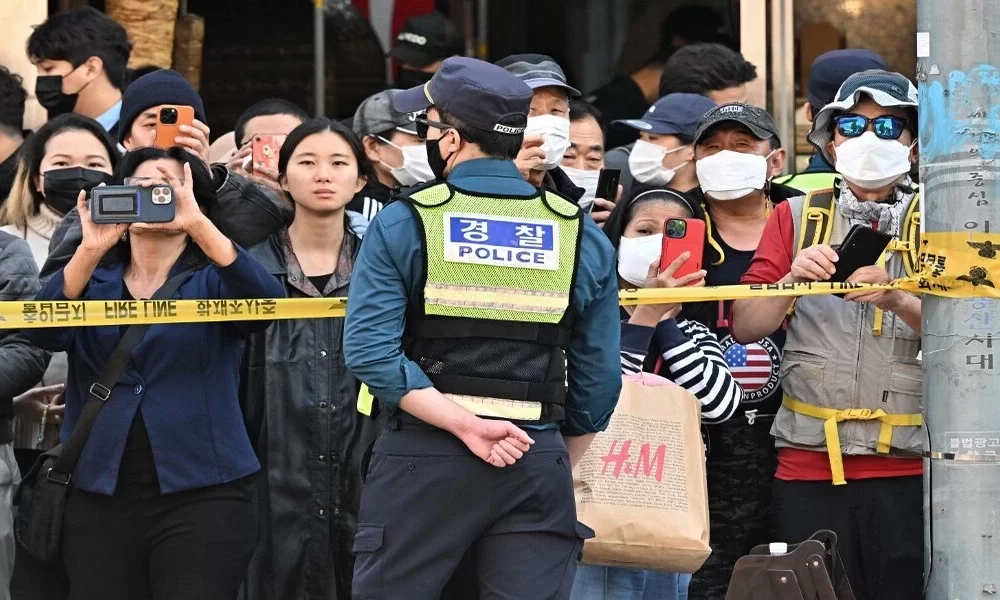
(299, 397)
(654, 340)
(68, 154)
(161, 498)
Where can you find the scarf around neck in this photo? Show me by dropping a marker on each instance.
(888, 214)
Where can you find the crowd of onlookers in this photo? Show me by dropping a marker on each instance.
(231, 462)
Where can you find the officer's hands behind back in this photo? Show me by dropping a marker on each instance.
(499, 443)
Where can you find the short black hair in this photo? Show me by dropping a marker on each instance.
(76, 35)
(580, 110)
(266, 108)
(492, 143)
(703, 68)
(12, 98)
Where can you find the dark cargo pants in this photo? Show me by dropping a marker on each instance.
(427, 501)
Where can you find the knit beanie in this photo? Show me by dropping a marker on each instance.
(153, 89)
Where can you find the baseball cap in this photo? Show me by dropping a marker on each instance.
(883, 87)
(754, 118)
(376, 115)
(537, 70)
(427, 38)
(477, 92)
(830, 69)
(672, 114)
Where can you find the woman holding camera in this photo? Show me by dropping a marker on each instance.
(161, 499)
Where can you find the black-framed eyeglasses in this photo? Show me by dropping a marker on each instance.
(423, 124)
(886, 127)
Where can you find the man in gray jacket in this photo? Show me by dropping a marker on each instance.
(21, 367)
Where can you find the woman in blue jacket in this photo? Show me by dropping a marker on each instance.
(161, 499)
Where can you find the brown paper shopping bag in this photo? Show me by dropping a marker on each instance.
(641, 486)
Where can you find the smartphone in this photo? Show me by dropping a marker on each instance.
(132, 204)
(607, 184)
(862, 247)
(680, 236)
(168, 124)
(265, 149)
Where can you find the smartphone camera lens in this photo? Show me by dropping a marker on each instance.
(676, 228)
(168, 116)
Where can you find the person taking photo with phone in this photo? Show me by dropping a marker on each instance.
(656, 339)
(161, 499)
(847, 357)
(245, 212)
(299, 398)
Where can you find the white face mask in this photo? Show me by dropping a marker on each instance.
(636, 254)
(415, 168)
(729, 175)
(555, 137)
(588, 181)
(872, 163)
(645, 162)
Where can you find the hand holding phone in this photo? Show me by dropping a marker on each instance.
(114, 204)
(168, 124)
(265, 150)
(862, 247)
(680, 236)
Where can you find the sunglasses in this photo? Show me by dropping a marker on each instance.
(886, 127)
(423, 124)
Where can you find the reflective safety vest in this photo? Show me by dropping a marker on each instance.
(493, 319)
(808, 182)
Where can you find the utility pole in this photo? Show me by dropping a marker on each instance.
(959, 81)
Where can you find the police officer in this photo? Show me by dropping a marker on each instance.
(484, 318)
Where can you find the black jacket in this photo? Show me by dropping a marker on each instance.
(245, 212)
(300, 403)
(21, 364)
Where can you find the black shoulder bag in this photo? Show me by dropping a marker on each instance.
(41, 496)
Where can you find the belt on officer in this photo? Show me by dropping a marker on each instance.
(831, 417)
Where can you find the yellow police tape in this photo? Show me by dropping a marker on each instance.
(951, 265)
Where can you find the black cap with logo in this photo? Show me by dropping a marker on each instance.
(426, 39)
(754, 118)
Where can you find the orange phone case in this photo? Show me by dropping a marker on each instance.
(166, 133)
(674, 244)
(265, 150)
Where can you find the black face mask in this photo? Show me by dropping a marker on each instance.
(48, 90)
(436, 162)
(408, 78)
(62, 186)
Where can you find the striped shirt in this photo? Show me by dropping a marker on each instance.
(692, 358)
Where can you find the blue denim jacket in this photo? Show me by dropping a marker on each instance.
(390, 266)
(183, 377)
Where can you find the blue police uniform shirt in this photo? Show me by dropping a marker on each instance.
(390, 266)
(184, 377)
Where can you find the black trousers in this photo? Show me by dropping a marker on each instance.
(879, 524)
(139, 544)
(427, 502)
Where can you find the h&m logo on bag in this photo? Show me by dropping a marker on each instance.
(649, 463)
(501, 241)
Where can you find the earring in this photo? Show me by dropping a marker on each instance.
(125, 236)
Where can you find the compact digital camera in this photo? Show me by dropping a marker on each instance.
(132, 204)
